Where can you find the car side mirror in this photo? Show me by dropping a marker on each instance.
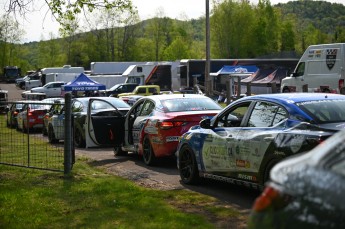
(205, 123)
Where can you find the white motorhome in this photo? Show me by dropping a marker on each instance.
(320, 69)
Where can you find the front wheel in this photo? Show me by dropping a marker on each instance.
(78, 139)
(44, 131)
(148, 154)
(119, 152)
(188, 167)
(51, 135)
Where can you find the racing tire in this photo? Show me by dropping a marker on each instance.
(188, 167)
(51, 136)
(24, 129)
(119, 152)
(44, 131)
(270, 165)
(149, 157)
(78, 139)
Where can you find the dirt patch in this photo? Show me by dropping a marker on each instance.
(155, 180)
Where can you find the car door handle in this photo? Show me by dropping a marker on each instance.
(229, 137)
(268, 139)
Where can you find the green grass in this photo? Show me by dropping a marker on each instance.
(41, 154)
(91, 198)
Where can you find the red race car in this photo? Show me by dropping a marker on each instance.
(155, 123)
(31, 116)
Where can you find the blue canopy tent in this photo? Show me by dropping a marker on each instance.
(236, 69)
(230, 71)
(83, 83)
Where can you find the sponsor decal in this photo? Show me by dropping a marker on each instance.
(279, 153)
(331, 56)
(172, 138)
(242, 163)
(256, 153)
(156, 140)
(247, 177)
(318, 53)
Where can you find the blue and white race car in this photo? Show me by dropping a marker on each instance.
(247, 138)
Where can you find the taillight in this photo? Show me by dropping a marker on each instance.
(30, 114)
(341, 83)
(169, 124)
(270, 198)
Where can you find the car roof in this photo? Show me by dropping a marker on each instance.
(295, 97)
(102, 98)
(174, 96)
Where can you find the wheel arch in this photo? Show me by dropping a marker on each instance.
(266, 167)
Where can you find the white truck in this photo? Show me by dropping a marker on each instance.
(66, 69)
(164, 74)
(320, 69)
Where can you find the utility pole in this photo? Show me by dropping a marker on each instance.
(208, 83)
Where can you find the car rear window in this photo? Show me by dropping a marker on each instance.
(325, 111)
(189, 104)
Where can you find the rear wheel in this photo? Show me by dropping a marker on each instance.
(78, 139)
(268, 169)
(148, 154)
(188, 167)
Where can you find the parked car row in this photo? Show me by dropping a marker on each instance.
(284, 144)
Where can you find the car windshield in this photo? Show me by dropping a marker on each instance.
(114, 87)
(189, 104)
(120, 103)
(325, 111)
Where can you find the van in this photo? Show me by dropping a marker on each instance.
(320, 69)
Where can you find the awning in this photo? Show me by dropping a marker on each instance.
(83, 83)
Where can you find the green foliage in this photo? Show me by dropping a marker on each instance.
(238, 30)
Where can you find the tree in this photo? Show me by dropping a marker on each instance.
(10, 35)
(65, 11)
(155, 30)
(231, 25)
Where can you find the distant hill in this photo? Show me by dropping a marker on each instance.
(323, 15)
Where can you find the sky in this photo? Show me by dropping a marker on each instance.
(38, 25)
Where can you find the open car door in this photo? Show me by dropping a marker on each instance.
(104, 124)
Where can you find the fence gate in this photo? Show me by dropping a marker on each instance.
(29, 147)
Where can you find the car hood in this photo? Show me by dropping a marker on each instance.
(37, 89)
(126, 94)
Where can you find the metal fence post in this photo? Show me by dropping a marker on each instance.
(68, 134)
